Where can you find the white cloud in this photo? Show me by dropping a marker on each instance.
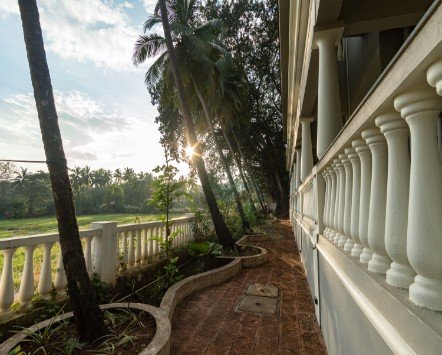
(149, 5)
(86, 30)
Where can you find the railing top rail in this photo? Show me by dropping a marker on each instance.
(37, 239)
(151, 224)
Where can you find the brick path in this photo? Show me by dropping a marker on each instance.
(207, 322)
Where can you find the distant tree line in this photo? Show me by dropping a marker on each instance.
(26, 194)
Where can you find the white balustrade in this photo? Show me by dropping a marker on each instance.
(103, 245)
(340, 238)
(334, 237)
(348, 246)
(355, 200)
(395, 129)
(420, 107)
(331, 212)
(364, 201)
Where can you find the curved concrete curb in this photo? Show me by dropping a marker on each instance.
(250, 260)
(160, 343)
(197, 282)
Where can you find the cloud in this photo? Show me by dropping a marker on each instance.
(86, 30)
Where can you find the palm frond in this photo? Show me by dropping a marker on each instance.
(151, 22)
(210, 30)
(148, 46)
(156, 70)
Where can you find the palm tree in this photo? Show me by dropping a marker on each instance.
(180, 12)
(88, 317)
(118, 176)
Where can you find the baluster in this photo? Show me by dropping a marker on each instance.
(364, 200)
(355, 200)
(27, 280)
(340, 238)
(395, 129)
(421, 107)
(45, 282)
(7, 283)
(60, 281)
(150, 243)
(88, 255)
(130, 252)
(348, 246)
(335, 233)
(156, 245)
(144, 246)
(380, 261)
(331, 213)
(125, 258)
(326, 200)
(137, 261)
(117, 252)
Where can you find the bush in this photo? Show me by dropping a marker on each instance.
(131, 209)
(148, 208)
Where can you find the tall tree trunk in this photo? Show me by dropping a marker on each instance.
(245, 223)
(223, 234)
(87, 314)
(251, 176)
(239, 165)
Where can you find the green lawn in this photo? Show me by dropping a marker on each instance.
(27, 226)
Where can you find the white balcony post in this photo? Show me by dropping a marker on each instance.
(306, 148)
(298, 168)
(335, 235)
(27, 280)
(355, 199)
(60, 280)
(103, 251)
(364, 201)
(329, 101)
(326, 176)
(395, 129)
(7, 283)
(421, 107)
(380, 261)
(340, 238)
(348, 246)
(45, 282)
(331, 212)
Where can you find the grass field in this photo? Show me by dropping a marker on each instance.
(27, 226)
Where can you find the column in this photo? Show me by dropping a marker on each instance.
(348, 246)
(421, 107)
(331, 212)
(298, 168)
(340, 238)
(329, 101)
(103, 251)
(335, 235)
(380, 261)
(364, 200)
(395, 130)
(306, 148)
(355, 198)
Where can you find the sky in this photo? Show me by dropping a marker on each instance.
(104, 109)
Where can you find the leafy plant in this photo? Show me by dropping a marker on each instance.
(70, 346)
(172, 272)
(200, 251)
(50, 308)
(101, 289)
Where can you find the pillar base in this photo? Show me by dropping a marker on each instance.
(400, 275)
(356, 251)
(366, 255)
(336, 238)
(426, 293)
(348, 246)
(342, 240)
(332, 235)
(379, 264)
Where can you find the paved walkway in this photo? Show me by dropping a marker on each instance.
(207, 322)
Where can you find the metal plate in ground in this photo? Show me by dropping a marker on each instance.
(258, 304)
(262, 290)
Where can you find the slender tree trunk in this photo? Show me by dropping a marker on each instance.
(239, 165)
(245, 223)
(252, 178)
(222, 232)
(87, 314)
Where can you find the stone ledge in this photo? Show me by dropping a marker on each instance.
(160, 343)
(197, 282)
(250, 260)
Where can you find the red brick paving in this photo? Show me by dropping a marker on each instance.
(207, 322)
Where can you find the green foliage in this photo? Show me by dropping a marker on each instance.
(50, 308)
(201, 251)
(102, 289)
(70, 346)
(172, 273)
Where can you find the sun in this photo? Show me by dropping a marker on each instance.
(190, 151)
